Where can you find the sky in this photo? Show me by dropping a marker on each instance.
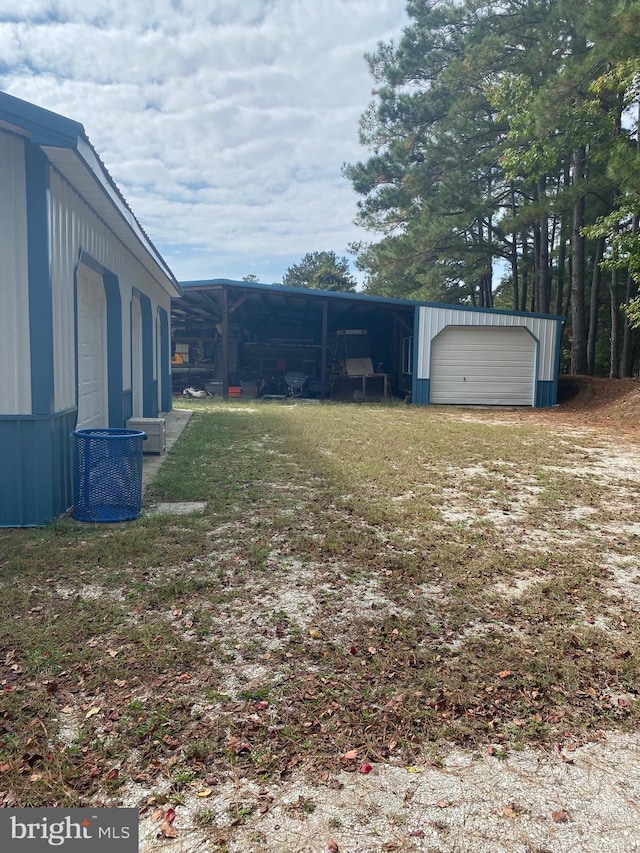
(225, 123)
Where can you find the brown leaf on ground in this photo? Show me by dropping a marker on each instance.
(167, 831)
(560, 816)
(350, 755)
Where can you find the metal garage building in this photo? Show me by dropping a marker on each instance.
(85, 303)
(235, 332)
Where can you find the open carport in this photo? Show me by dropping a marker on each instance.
(238, 334)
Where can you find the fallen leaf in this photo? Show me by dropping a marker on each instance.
(315, 633)
(205, 792)
(443, 804)
(560, 816)
(68, 709)
(350, 755)
(168, 831)
(365, 768)
(92, 712)
(332, 846)
(504, 673)
(35, 777)
(413, 769)
(169, 815)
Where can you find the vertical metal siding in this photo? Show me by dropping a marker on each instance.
(15, 360)
(75, 227)
(432, 320)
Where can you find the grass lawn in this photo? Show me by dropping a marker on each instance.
(384, 578)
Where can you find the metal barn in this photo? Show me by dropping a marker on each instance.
(231, 335)
(85, 303)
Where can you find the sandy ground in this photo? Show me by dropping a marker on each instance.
(570, 798)
(570, 801)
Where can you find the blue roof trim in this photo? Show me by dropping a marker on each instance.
(47, 128)
(360, 297)
(44, 126)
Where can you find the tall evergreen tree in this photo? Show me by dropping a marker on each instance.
(491, 138)
(321, 271)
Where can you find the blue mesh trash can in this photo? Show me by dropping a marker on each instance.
(108, 474)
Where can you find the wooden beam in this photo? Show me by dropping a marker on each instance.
(225, 342)
(323, 349)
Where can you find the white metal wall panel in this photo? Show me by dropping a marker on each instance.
(490, 365)
(433, 320)
(15, 355)
(75, 227)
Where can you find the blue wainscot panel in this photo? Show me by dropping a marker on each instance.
(546, 394)
(420, 393)
(36, 458)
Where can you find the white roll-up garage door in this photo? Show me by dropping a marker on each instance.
(92, 360)
(483, 365)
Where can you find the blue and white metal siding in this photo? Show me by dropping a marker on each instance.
(75, 227)
(431, 320)
(15, 354)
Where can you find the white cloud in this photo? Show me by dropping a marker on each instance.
(224, 123)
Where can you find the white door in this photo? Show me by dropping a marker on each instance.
(92, 351)
(136, 357)
(483, 365)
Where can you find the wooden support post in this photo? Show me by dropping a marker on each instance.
(225, 342)
(323, 350)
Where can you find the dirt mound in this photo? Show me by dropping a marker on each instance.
(601, 400)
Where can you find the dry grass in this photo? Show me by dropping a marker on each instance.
(386, 578)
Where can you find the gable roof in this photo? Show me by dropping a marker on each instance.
(68, 149)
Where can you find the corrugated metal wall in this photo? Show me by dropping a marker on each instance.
(15, 360)
(433, 319)
(74, 226)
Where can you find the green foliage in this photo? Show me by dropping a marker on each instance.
(495, 128)
(321, 271)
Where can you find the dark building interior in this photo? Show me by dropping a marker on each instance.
(250, 339)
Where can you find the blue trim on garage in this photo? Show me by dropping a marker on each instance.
(127, 404)
(547, 391)
(414, 358)
(164, 369)
(40, 304)
(149, 388)
(114, 349)
(114, 336)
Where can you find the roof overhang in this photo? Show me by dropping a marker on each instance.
(66, 146)
(254, 304)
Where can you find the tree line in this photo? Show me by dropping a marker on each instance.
(504, 166)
